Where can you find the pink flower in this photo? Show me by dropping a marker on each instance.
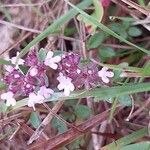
(45, 92)
(9, 97)
(65, 84)
(35, 99)
(104, 74)
(52, 61)
(33, 71)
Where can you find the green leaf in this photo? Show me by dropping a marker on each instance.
(58, 53)
(106, 29)
(24, 69)
(42, 54)
(106, 52)
(59, 125)
(95, 40)
(54, 26)
(117, 145)
(137, 146)
(118, 28)
(134, 31)
(35, 119)
(82, 111)
(125, 100)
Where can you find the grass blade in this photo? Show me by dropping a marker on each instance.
(101, 93)
(4, 62)
(126, 140)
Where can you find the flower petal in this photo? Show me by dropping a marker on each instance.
(49, 55)
(56, 59)
(72, 87)
(66, 92)
(10, 102)
(109, 74)
(100, 73)
(33, 71)
(3, 96)
(105, 69)
(60, 86)
(105, 79)
(53, 66)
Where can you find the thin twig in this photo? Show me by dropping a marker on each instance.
(25, 5)
(137, 7)
(132, 109)
(19, 26)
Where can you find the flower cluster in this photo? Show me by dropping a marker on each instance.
(72, 74)
(80, 72)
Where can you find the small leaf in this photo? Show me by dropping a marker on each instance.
(125, 100)
(107, 52)
(119, 29)
(59, 125)
(42, 54)
(134, 31)
(95, 40)
(35, 119)
(82, 111)
(58, 53)
(23, 69)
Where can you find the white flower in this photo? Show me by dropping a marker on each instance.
(9, 98)
(104, 74)
(65, 84)
(35, 99)
(14, 60)
(52, 61)
(33, 71)
(45, 92)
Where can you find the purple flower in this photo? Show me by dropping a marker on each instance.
(80, 73)
(13, 76)
(89, 73)
(31, 59)
(69, 65)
